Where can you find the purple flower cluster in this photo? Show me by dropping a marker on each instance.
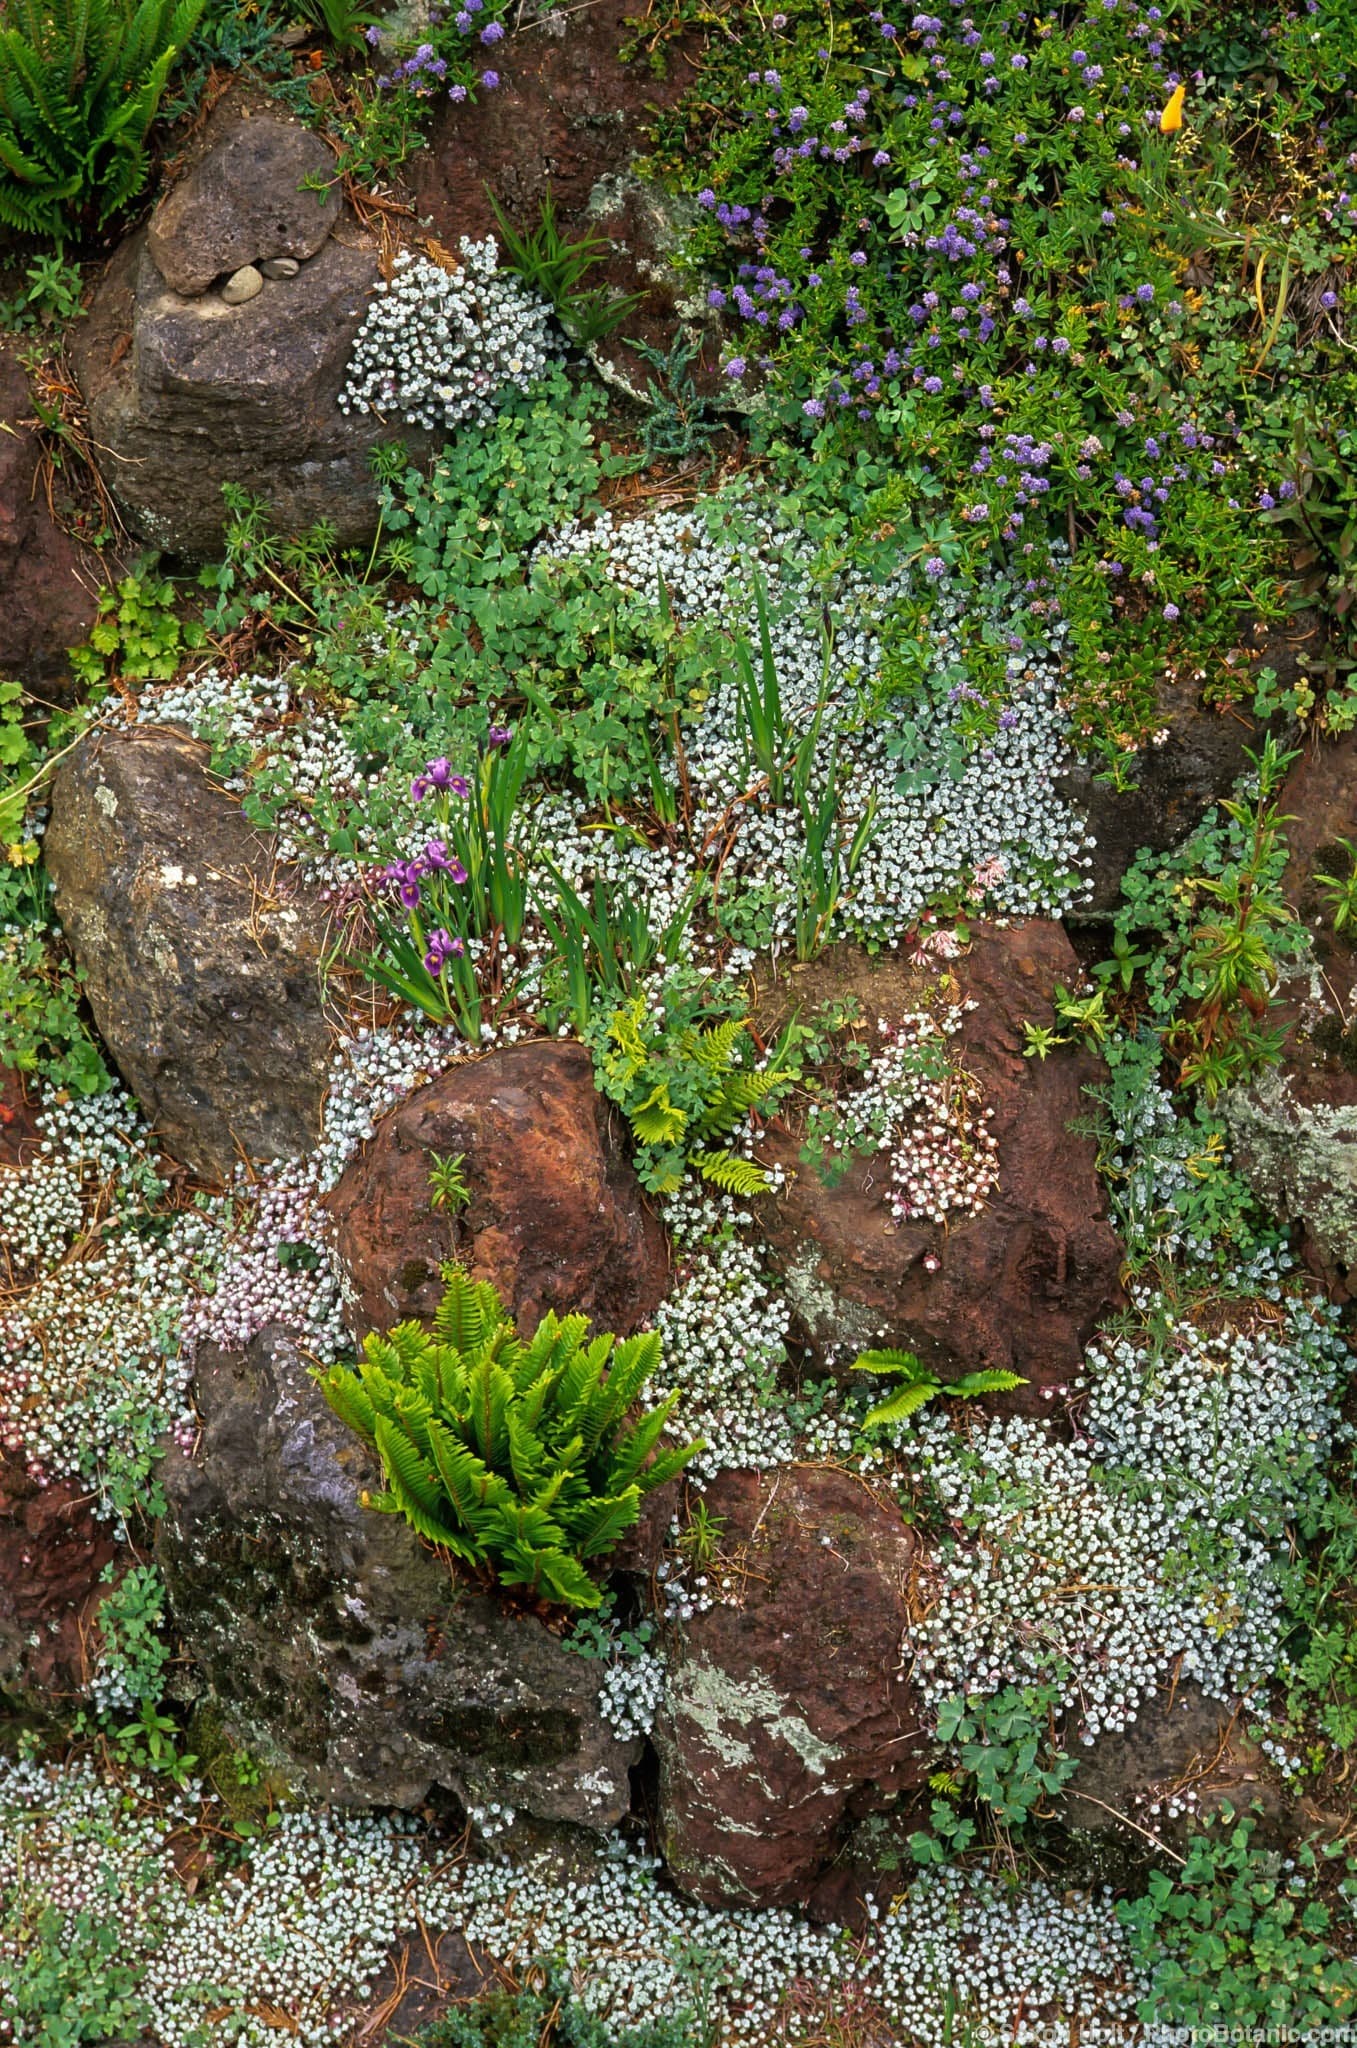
(425, 68)
(403, 877)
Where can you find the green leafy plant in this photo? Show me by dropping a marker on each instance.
(1223, 932)
(80, 81)
(678, 420)
(516, 1456)
(606, 944)
(138, 636)
(1341, 890)
(553, 2019)
(70, 1984)
(600, 1636)
(556, 267)
(1007, 1758)
(42, 1029)
(700, 1537)
(341, 21)
(1238, 1935)
(921, 1386)
(52, 297)
(447, 1182)
(678, 1080)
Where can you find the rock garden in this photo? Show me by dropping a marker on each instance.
(678, 1024)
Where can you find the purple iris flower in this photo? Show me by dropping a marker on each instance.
(438, 775)
(443, 946)
(438, 861)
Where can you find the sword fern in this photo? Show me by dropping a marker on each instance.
(517, 1455)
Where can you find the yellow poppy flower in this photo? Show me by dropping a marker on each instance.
(1171, 120)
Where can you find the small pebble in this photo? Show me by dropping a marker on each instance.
(241, 285)
(279, 266)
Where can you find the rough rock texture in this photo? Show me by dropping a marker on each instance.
(199, 952)
(244, 201)
(1180, 1741)
(1294, 1130)
(186, 394)
(1178, 781)
(1296, 1145)
(52, 1552)
(1020, 1286)
(543, 131)
(335, 1642)
(48, 583)
(555, 1220)
(789, 1713)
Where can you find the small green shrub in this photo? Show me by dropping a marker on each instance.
(71, 1983)
(138, 634)
(512, 1455)
(80, 81)
(1237, 1934)
(556, 268)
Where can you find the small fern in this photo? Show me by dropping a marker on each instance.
(516, 1455)
(80, 81)
(677, 1078)
(921, 1385)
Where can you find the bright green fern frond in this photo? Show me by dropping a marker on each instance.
(657, 1121)
(469, 1312)
(607, 1521)
(736, 1176)
(714, 1046)
(632, 1449)
(995, 1382)
(900, 1406)
(889, 1361)
(407, 1473)
(349, 1398)
(667, 1465)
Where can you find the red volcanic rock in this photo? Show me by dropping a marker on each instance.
(1021, 1285)
(555, 1219)
(49, 584)
(789, 1711)
(52, 1553)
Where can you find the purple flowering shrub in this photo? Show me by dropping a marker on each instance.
(452, 56)
(957, 237)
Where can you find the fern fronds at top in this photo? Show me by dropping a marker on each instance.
(921, 1385)
(80, 81)
(509, 1454)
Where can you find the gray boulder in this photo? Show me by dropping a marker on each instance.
(245, 201)
(199, 951)
(336, 1644)
(187, 393)
(1298, 1153)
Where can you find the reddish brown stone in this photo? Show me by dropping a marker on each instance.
(52, 1552)
(1021, 1285)
(49, 584)
(790, 1708)
(19, 1134)
(555, 1220)
(541, 132)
